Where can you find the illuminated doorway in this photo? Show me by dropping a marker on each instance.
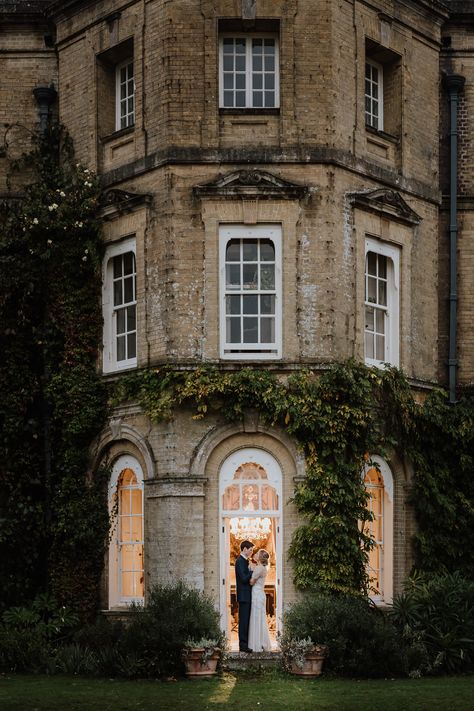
(250, 508)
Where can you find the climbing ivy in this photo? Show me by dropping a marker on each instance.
(53, 518)
(338, 418)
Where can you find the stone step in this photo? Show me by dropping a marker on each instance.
(240, 661)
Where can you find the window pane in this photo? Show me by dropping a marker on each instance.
(233, 276)
(128, 290)
(257, 99)
(228, 98)
(125, 503)
(232, 304)
(121, 321)
(372, 290)
(240, 99)
(369, 319)
(267, 274)
(240, 45)
(382, 267)
(269, 63)
(231, 498)
(369, 346)
(267, 326)
(267, 304)
(380, 348)
(258, 81)
(269, 81)
(250, 330)
(228, 45)
(118, 298)
(383, 293)
(121, 348)
(257, 46)
(250, 276)
(240, 63)
(267, 250)
(117, 261)
(128, 263)
(233, 330)
(136, 529)
(132, 345)
(232, 253)
(371, 263)
(269, 99)
(239, 81)
(250, 250)
(380, 321)
(131, 318)
(250, 304)
(228, 63)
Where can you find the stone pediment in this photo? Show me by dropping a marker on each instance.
(387, 202)
(115, 202)
(251, 184)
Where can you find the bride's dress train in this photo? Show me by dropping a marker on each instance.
(259, 638)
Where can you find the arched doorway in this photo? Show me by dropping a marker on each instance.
(250, 495)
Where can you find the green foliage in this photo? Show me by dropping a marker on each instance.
(360, 640)
(338, 418)
(437, 613)
(158, 632)
(53, 517)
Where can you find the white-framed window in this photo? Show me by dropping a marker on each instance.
(119, 304)
(126, 549)
(374, 94)
(378, 482)
(124, 95)
(382, 303)
(250, 291)
(248, 72)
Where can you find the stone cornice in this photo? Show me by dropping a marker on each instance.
(114, 202)
(387, 202)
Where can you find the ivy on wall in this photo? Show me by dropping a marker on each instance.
(53, 519)
(338, 418)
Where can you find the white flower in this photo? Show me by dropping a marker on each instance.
(35, 221)
(84, 258)
(50, 241)
(62, 193)
(87, 184)
(87, 171)
(86, 251)
(52, 207)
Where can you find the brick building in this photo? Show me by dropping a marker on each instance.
(274, 195)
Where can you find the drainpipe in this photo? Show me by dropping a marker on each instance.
(45, 96)
(454, 84)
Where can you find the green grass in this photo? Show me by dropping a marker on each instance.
(269, 692)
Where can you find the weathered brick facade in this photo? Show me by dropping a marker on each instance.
(333, 183)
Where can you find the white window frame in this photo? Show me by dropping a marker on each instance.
(118, 99)
(392, 318)
(249, 69)
(380, 99)
(110, 363)
(248, 351)
(116, 599)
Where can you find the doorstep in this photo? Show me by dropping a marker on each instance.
(241, 661)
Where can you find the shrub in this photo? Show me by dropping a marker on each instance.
(436, 615)
(360, 639)
(158, 632)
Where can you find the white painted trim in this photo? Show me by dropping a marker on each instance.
(379, 67)
(249, 69)
(118, 117)
(392, 340)
(253, 351)
(109, 355)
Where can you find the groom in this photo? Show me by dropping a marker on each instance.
(244, 593)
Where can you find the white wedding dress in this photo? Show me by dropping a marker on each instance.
(259, 638)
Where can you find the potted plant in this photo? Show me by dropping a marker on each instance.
(302, 657)
(200, 657)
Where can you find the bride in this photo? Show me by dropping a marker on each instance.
(259, 638)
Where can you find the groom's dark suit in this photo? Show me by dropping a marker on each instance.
(244, 598)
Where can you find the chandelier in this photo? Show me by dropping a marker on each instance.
(254, 528)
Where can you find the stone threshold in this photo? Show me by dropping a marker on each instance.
(236, 661)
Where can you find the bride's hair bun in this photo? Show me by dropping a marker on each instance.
(264, 556)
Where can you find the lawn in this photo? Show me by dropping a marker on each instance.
(270, 692)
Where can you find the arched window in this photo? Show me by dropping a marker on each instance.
(126, 552)
(379, 485)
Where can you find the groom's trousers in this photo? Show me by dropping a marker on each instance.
(244, 619)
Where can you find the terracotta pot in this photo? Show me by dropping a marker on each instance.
(312, 665)
(194, 665)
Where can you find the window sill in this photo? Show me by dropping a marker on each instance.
(118, 134)
(382, 135)
(249, 112)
